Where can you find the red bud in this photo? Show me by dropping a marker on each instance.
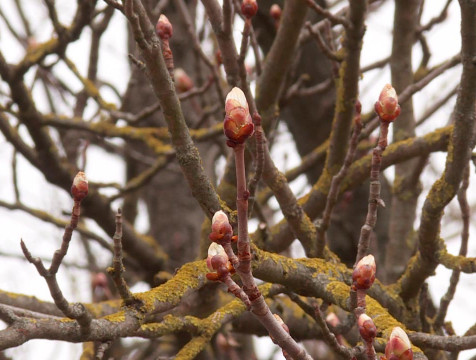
(387, 107)
(80, 186)
(220, 227)
(399, 346)
(364, 273)
(249, 8)
(164, 29)
(182, 81)
(367, 328)
(216, 256)
(275, 12)
(238, 125)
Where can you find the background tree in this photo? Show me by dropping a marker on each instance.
(160, 121)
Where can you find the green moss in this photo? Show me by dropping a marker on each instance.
(190, 276)
(441, 192)
(149, 136)
(37, 52)
(99, 309)
(119, 316)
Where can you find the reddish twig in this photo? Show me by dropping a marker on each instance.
(75, 311)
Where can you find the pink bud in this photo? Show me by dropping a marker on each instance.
(164, 29)
(99, 280)
(387, 107)
(219, 218)
(249, 8)
(182, 81)
(275, 12)
(216, 256)
(399, 346)
(367, 328)
(80, 186)
(364, 273)
(221, 228)
(238, 125)
(332, 319)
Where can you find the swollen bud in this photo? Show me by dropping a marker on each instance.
(217, 262)
(249, 8)
(387, 107)
(367, 328)
(238, 125)
(364, 273)
(80, 186)
(182, 81)
(221, 227)
(216, 256)
(275, 12)
(164, 29)
(399, 346)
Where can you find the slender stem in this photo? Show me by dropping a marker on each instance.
(258, 306)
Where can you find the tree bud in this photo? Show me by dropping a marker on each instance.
(367, 328)
(99, 280)
(387, 107)
(364, 273)
(275, 12)
(164, 29)
(238, 125)
(249, 8)
(398, 346)
(220, 227)
(332, 319)
(182, 81)
(216, 256)
(80, 186)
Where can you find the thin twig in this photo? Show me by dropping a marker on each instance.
(334, 19)
(455, 275)
(328, 336)
(76, 311)
(335, 184)
(322, 44)
(117, 269)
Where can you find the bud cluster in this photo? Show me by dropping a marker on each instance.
(217, 260)
(237, 125)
